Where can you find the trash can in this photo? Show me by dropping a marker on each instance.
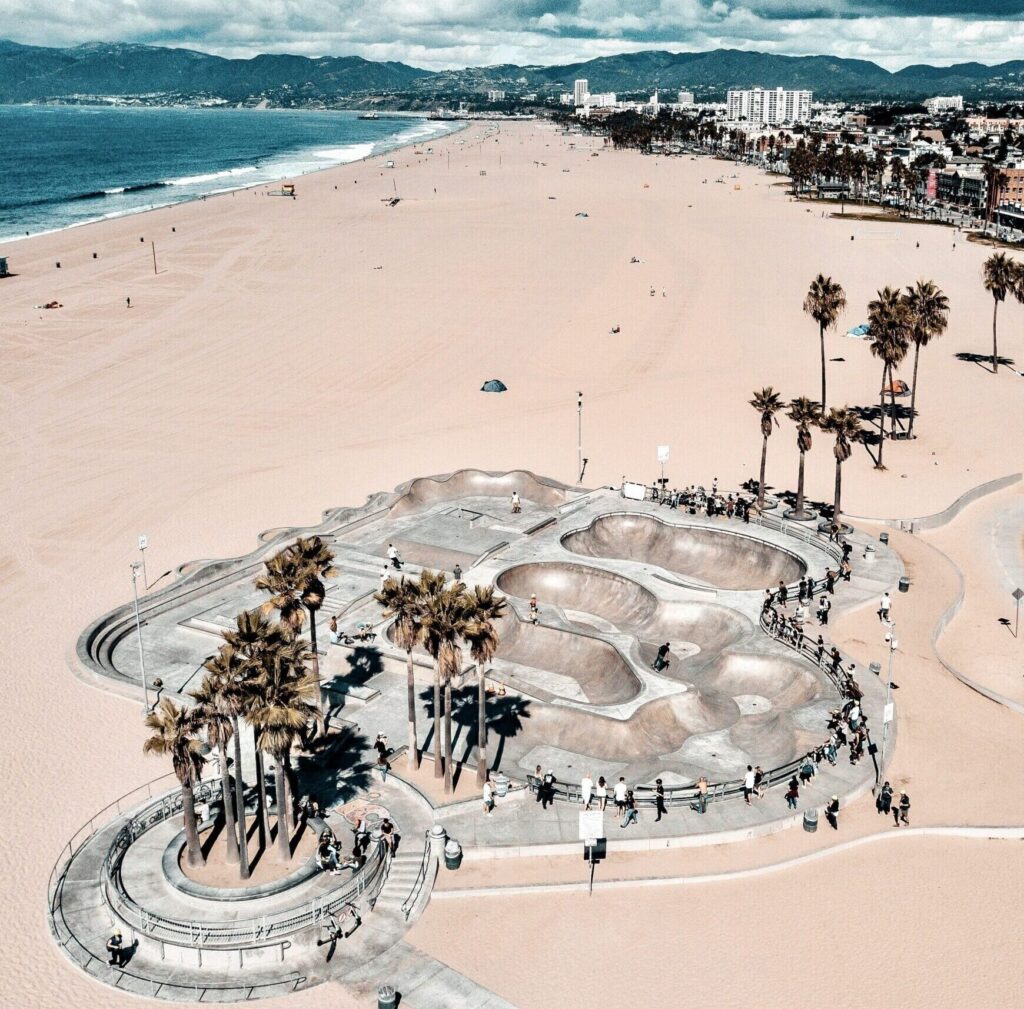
(387, 998)
(501, 786)
(869, 553)
(452, 855)
(810, 820)
(883, 537)
(876, 668)
(904, 584)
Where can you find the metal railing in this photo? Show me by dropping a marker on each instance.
(421, 877)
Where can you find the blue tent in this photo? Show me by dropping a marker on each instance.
(493, 385)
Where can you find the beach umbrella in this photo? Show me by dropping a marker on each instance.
(493, 385)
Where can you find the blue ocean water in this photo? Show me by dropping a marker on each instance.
(66, 165)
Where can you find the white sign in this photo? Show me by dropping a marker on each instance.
(591, 824)
(663, 453)
(634, 491)
(887, 714)
(143, 541)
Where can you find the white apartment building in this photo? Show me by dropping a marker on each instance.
(566, 98)
(771, 107)
(495, 96)
(945, 103)
(686, 98)
(600, 101)
(580, 90)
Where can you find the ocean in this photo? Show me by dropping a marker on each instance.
(62, 166)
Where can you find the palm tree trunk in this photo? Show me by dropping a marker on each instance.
(316, 660)
(822, 336)
(892, 402)
(448, 736)
(230, 838)
(261, 792)
(438, 760)
(243, 841)
(290, 776)
(995, 350)
(760, 482)
(913, 390)
(188, 806)
(881, 418)
(284, 848)
(414, 753)
(481, 729)
(799, 511)
(837, 518)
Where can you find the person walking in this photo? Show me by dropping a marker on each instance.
(601, 792)
(116, 950)
(807, 769)
(662, 660)
(659, 800)
(539, 775)
(457, 573)
(630, 810)
(383, 767)
(759, 785)
(884, 801)
(748, 784)
(783, 594)
(488, 797)
(793, 792)
(586, 790)
(548, 784)
(902, 812)
(884, 606)
(396, 561)
(702, 794)
(620, 796)
(517, 505)
(824, 605)
(832, 812)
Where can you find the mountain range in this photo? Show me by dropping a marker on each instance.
(35, 73)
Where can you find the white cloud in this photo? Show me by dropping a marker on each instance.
(437, 34)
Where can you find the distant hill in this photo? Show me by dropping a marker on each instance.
(32, 73)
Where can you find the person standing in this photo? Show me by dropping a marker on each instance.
(759, 781)
(517, 505)
(602, 793)
(457, 573)
(824, 605)
(702, 794)
(662, 660)
(783, 594)
(384, 575)
(793, 792)
(832, 812)
(884, 606)
(748, 784)
(659, 800)
(884, 801)
(539, 775)
(620, 796)
(488, 797)
(383, 767)
(548, 784)
(586, 790)
(902, 812)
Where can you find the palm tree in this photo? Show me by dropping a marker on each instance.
(767, 404)
(284, 701)
(888, 328)
(445, 616)
(804, 413)
(175, 735)
(486, 609)
(316, 565)
(228, 669)
(211, 716)
(403, 600)
(825, 300)
(844, 424)
(1000, 275)
(929, 315)
(282, 578)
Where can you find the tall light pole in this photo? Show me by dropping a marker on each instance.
(579, 434)
(135, 565)
(143, 543)
(890, 637)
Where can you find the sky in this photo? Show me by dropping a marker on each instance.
(439, 34)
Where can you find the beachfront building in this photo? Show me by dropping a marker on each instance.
(768, 107)
(945, 103)
(580, 90)
(495, 96)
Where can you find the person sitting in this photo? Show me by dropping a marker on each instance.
(327, 853)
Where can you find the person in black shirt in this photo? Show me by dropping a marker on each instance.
(662, 660)
(884, 801)
(832, 812)
(659, 800)
(547, 785)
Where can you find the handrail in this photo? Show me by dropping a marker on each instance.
(421, 877)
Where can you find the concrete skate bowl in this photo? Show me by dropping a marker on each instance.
(423, 493)
(602, 674)
(711, 557)
(784, 682)
(600, 599)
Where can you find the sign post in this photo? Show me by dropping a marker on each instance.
(143, 543)
(1018, 594)
(595, 846)
(663, 458)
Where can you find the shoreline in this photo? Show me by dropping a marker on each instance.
(385, 148)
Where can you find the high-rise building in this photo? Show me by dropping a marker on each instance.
(770, 107)
(580, 90)
(685, 97)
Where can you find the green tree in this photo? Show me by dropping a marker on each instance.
(767, 403)
(175, 735)
(825, 300)
(928, 308)
(481, 634)
(844, 425)
(805, 413)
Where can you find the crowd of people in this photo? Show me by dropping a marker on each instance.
(697, 500)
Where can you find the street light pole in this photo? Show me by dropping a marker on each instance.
(135, 565)
(891, 638)
(579, 435)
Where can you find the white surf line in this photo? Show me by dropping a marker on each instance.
(973, 833)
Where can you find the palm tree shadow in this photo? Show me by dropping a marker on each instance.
(505, 717)
(364, 662)
(983, 361)
(334, 769)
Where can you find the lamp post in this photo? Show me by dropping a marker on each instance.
(135, 565)
(579, 434)
(890, 637)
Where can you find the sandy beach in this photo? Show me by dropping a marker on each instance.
(293, 355)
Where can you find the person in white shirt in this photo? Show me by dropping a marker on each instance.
(488, 797)
(620, 795)
(586, 790)
(748, 784)
(884, 605)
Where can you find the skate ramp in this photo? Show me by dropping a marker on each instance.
(473, 483)
(786, 682)
(711, 557)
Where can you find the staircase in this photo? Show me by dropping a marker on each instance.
(405, 868)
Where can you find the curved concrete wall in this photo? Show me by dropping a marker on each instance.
(427, 491)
